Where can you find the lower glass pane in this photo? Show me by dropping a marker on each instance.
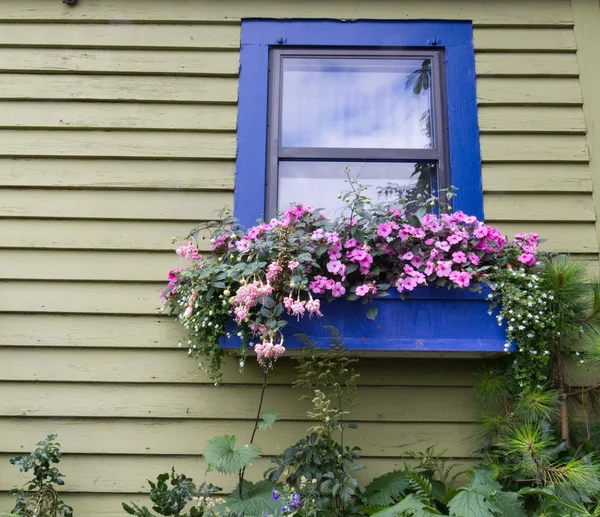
(318, 183)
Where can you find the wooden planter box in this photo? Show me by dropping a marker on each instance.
(438, 321)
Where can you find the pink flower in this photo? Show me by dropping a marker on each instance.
(313, 306)
(351, 243)
(267, 353)
(417, 262)
(384, 230)
(407, 256)
(329, 284)
(429, 268)
(365, 289)
(527, 258)
(273, 271)
(338, 290)
(292, 264)
(188, 251)
(406, 284)
(243, 245)
(454, 238)
(474, 259)
(336, 267)
(481, 232)
(459, 257)
(443, 245)
(317, 286)
(188, 311)
(297, 308)
(443, 268)
(294, 212)
(461, 278)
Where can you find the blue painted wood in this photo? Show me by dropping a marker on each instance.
(456, 37)
(430, 320)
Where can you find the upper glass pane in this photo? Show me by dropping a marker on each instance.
(357, 102)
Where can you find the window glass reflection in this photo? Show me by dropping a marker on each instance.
(318, 183)
(356, 103)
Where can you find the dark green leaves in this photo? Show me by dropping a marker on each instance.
(387, 489)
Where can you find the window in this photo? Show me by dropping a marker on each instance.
(378, 114)
(394, 101)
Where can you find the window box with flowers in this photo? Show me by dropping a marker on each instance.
(387, 111)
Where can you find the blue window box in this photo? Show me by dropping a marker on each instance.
(430, 320)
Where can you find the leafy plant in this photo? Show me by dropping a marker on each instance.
(38, 497)
(172, 501)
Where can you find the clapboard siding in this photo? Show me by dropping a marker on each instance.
(117, 137)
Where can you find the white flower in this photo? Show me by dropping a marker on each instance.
(510, 328)
(179, 345)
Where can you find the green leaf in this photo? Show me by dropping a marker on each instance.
(469, 503)
(387, 489)
(509, 504)
(409, 504)
(222, 456)
(256, 500)
(268, 420)
(372, 312)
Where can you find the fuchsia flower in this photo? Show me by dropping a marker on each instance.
(273, 271)
(188, 251)
(313, 306)
(267, 352)
(292, 264)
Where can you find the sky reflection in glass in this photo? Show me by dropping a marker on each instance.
(352, 103)
(318, 183)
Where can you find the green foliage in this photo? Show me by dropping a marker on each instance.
(256, 499)
(171, 501)
(38, 497)
(221, 455)
(269, 418)
(387, 489)
(411, 506)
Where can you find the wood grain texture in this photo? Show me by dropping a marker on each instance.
(562, 237)
(118, 88)
(513, 12)
(587, 27)
(107, 204)
(117, 174)
(87, 235)
(123, 474)
(517, 90)
(536, 177)
(399, 404)
(530, 64)
(111, 144)
(125, 36)
(80, 297)
(95, 115)
(534, 148)
(139, 62)
(539, 207)
(108, 362)
(531, 119)
(86, 265)
(189, 437)
(525, 39)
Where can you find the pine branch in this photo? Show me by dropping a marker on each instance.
(583, 390)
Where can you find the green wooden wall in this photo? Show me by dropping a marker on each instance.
(117, 132)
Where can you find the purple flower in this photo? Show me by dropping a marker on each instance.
(275, 494)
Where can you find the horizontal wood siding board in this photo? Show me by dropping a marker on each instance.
(535, 91)
(539, 207)
(126, 474)
(525, 39)
(116, 144)
(562, 237)
(531, 64)
(117, 116)
(137, 62)
(374, 404)
(189, 437)
(86, 265)
(219, 90)
(511, 12)
(90, 234)
(125, 36)
(117, 174)
(81, 297)
(535, 148)
(171, 365)
(107, 204)
(531, 119)
(536, 177)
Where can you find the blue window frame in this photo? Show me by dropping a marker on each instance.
(259, 37)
